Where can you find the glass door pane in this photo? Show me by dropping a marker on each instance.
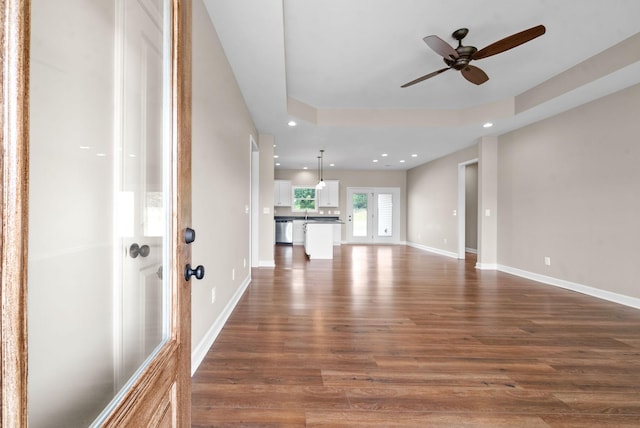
(360, 204)
(385, 214)
(97, 231)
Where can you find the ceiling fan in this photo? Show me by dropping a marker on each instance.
(460, 57)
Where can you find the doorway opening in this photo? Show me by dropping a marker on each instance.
(254, 202)
(467, 212)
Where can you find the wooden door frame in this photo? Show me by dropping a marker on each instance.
(14, 109)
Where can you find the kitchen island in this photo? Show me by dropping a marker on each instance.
(318, 238)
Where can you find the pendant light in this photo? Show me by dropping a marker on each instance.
(321, 184)
(318, 185)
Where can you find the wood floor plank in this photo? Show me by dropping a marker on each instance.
(377, 419)
(392, 336)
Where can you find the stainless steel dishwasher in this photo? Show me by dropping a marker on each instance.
(284, 231)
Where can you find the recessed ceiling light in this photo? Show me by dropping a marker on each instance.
(291, 123)
(487, 125)
(384, 155)
(402, 161)
(414, 155)
(85, 147)
(101, 155)
(276, 156)
(375, 160)
(305, 167)
(332, 164)
(277, 163)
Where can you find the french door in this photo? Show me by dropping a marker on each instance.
(373, 215)
(96, 187)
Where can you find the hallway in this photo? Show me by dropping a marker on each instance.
(393, 336)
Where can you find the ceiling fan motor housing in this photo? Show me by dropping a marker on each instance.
(464, 57)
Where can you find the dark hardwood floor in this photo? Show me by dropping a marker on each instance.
(392, 336)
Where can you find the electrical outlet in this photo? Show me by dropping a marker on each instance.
(547, 261)
(233, 274)
(445, 240)
(213, 295)
(244, 263)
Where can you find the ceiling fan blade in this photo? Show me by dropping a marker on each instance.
(425, 77)
(510, 42)
(441, 47)
(474, 75)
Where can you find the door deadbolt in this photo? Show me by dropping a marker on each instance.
(189, 235)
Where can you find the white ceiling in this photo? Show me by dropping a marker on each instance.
(336, 67)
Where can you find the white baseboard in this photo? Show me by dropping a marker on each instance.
(471, 250)
(267, 263)
(200, 351)
(580, 288)
(486, 266)
(433, 250)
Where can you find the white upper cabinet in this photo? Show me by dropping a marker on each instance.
(330, 195)
(282, 193)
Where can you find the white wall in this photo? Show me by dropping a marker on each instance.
(221, 171)
(568, 189)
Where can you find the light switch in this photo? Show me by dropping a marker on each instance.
(487, 212)
(266, 210)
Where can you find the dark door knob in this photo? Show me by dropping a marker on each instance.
(144, 251)
(198, 272)
(189, 235)
(136, 250)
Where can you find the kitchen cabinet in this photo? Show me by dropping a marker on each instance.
(281, 193)
(330, 195)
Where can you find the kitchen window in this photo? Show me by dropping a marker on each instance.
(304, 199)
